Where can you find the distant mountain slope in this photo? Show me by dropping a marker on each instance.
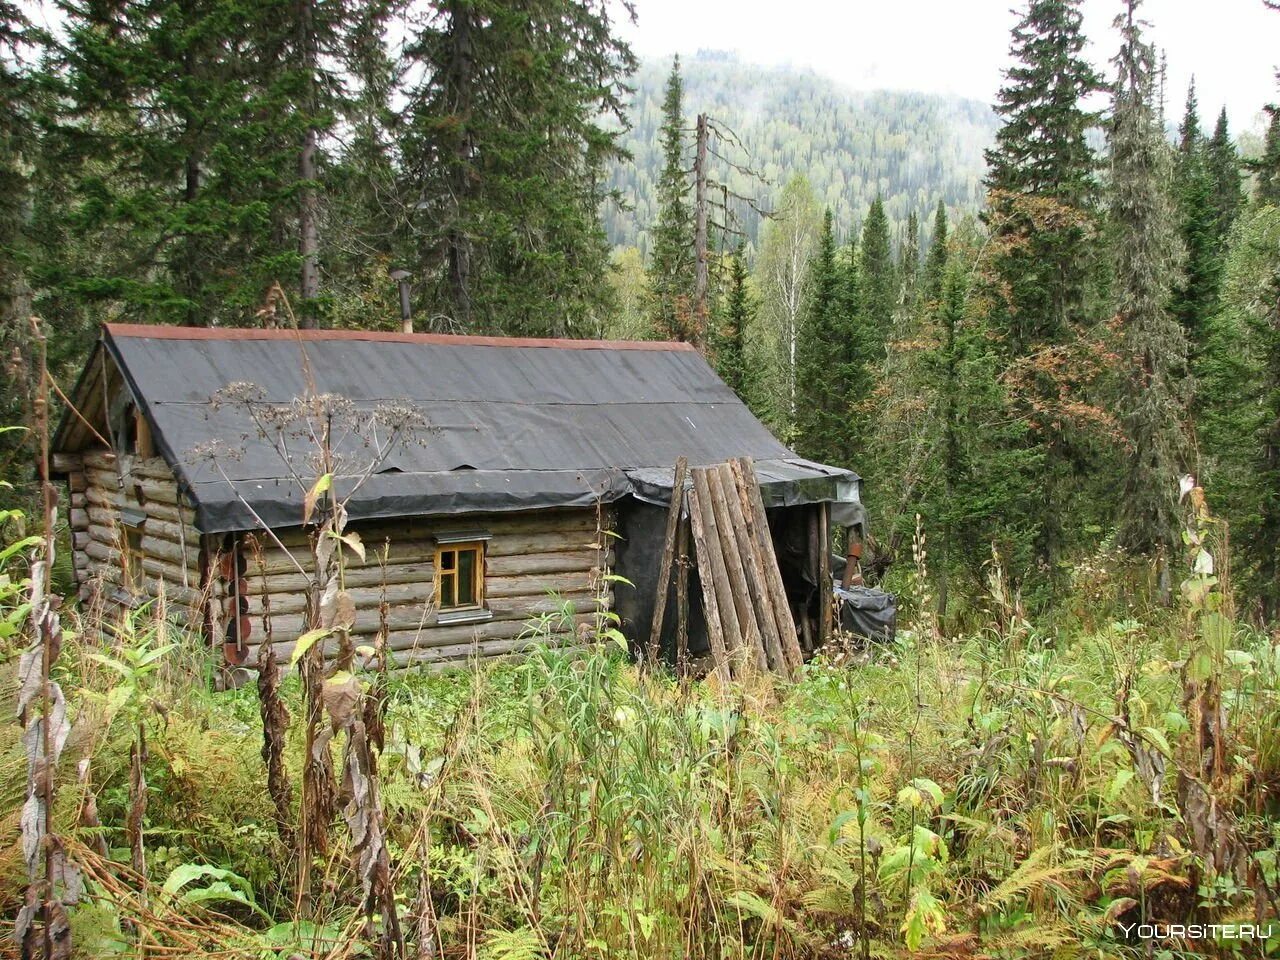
(912, 148)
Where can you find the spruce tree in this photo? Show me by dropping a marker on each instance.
(1267, 167)
(826, 384)
(1154, 348)
(908, 268)
(878, 282)
(1196, 293)
(505, 143)
(935, 263)
(1223, 162)
(1038, 281)
(16, 149)
(731, 339)
(180, 161)
(671, 261)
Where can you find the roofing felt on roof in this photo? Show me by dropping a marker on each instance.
(498, 424)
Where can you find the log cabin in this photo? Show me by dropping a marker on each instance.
(491, 481)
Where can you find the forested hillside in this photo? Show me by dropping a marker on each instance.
(912, 149)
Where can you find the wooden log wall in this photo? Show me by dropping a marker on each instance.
(101, 486)
(534, 563)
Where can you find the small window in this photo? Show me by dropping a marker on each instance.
(460, 576)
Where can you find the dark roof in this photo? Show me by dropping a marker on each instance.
(510, 423)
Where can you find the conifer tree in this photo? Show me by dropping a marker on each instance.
(935, 263)
(505, 142)
(878, 282)
(1223, 162)
(1155, 351)
(731, 340)
(1195, 295)
(16, 146)
(180, 161)
(908, 268)
(1037, 283)
(671, 261)
(827, 384)
(1267, 166)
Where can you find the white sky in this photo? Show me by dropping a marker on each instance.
(961, 46)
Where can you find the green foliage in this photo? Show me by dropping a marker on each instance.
(504, 149)
(671, 265)
(1240, 374)
(1153, 380)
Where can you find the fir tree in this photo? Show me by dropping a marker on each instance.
(1267, 167)
(180, 161)
(1223, 162)
(671, 262)
(731, 340)
(1038, 280)
(908, 268)
(1239, 427)
(1153, 397)
(824, 385)
(879, 286)
(935, 263)
(505, 144)
(1195, 296)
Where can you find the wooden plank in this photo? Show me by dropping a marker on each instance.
(580, 522)
(753, 652)
(758, 523)
(664, 567)
(715, 634)
(682, 598)
(825, 599)
(757, 585)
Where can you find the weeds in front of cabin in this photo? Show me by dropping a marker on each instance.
(1008, 793)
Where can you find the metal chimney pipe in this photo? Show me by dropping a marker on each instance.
(401, 277)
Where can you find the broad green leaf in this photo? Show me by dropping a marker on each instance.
(306, 642)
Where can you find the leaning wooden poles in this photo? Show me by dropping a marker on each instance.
(749, 623)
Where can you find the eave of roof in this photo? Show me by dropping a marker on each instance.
(156, 332)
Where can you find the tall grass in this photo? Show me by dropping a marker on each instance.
(963, 796)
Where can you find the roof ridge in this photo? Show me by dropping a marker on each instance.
(165, 332)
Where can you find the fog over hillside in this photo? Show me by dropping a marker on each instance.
(911, 148)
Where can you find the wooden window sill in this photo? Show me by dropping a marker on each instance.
(455, 617)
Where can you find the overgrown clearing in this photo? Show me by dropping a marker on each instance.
(1012, 792)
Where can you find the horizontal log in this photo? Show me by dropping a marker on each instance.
(274, 561)
(80, 539)
(99, 459)
(150, 468)
(414, 617)
(373, 575)
(424, 528)
(76, 481)
(461, 637)
(459, 654)
(495, 588)
(79, 519)
(100, 496)
(79, 501)
(188, 596)
(66, 462)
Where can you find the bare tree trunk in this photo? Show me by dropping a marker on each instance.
(308, 240)
(700, 281)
